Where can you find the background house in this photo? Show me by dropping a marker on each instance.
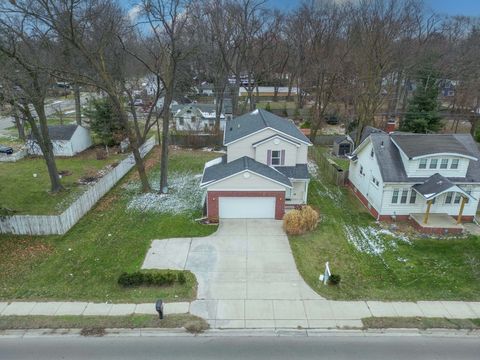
(198, 117)
(67, 140)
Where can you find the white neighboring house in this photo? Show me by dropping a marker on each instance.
(269, 91)
(263, 172)
(196, 117)
(67, 140)
(403, 176)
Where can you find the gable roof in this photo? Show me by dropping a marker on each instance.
(367, 130)
(299, 171)
(391, 165)
(258, 120)
(276, 136)
(418, 145)
(59, 132)
(436, 185)
(221, 170)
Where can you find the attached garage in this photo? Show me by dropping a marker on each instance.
(247, 207)
(244, 189)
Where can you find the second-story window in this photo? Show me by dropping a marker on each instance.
(433, 163)
(444, 164)
(276, 157)
(422, 164)
(454, 164)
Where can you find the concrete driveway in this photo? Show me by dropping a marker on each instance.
(245, 267)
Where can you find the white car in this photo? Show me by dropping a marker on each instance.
(138, 102)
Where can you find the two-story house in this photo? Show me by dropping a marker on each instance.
(200, 117)
(264, 170)
(403, 176)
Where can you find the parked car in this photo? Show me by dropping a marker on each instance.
(331, 120)
(6, 150)
(138, 102)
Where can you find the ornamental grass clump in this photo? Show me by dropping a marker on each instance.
(301, 220)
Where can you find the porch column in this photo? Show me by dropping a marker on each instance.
(427, 213)
(462, 205)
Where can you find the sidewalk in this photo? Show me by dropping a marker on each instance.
(264, 314)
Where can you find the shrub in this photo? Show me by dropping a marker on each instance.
(268, 107)
(300, 220)
(334, 279)
(139, 278)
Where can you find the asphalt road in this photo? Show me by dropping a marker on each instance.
(245, 348)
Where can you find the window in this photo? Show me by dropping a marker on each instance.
(276, 157)
(403, 199)
(433, 163)
(375, 181)
(422, 164)
(361, 170)
(395, 196)
(448, 198)
(194, 118)
(454, 164)
(457, 199)
(372, 154)
(181, 121)
(413, 197)
(444, 164)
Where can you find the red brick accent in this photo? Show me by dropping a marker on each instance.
(363, 200)
(212, 201)
(435, 230)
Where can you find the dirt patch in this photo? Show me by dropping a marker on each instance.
(91, 153)
(23, 250)
(105, 203)
(93, 331)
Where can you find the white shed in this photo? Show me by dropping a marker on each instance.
(67, 140)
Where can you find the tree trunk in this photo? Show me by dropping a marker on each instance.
(165, 142)
(45, 144)
(78, 107)
(218, 107)
(19, 123)
(134, 144)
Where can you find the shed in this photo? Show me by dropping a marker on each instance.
(67, 140)
(343, 145)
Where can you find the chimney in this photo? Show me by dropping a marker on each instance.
(391, 126)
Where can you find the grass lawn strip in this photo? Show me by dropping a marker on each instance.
(25, 194)
(92, 324)
(420, 323)
(378, 263)
(85, 263)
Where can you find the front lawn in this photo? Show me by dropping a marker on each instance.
(85, 263)
(378, 264)
(23, 193)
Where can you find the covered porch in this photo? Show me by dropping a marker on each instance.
(436, 222)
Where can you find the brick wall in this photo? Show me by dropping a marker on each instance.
(212, 201)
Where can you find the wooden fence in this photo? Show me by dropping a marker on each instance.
(332, 171)
(60, 224)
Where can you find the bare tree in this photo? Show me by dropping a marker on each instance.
(26, 48)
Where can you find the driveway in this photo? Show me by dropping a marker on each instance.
(246, 267)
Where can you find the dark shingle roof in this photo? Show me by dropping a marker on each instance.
(259, 119)
(433, 186)
(202, 107)
(300, 171)
(341, 138)
(391, 165)
(414, 145)
(367, 130)
(224, 169)
(60, 132)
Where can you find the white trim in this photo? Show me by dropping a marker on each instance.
(243, 190)
(273, 137)
(202, 185)
(263, 129)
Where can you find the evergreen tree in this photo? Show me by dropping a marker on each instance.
(422, 111)
(104, 122)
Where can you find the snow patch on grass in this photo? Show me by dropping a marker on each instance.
(373, 241)
(184, 195)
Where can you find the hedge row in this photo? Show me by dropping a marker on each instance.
(139, 278)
